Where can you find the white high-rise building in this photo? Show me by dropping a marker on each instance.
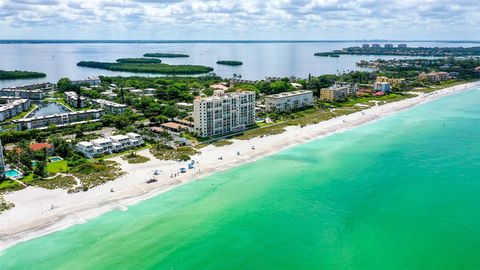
(2, 163)
(223, 113)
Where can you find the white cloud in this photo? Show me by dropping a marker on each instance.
(253, 19)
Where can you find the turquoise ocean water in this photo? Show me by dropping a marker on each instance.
(400, 193)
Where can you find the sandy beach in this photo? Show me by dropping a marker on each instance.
(34, 216)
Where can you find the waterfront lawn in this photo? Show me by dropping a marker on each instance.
(57, 167)
(134, 158)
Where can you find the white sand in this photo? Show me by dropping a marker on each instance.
(32, 215)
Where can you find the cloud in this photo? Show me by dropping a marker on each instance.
(227, 19)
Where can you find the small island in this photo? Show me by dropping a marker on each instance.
(327, 54)
(229, 63)
(148, 68)
(18, 74)
(166, 55)
(139, 60)
(389, 49)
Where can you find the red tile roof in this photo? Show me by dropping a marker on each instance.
(39, 146)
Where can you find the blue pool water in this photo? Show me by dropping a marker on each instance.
(13, 173)
(53, 159)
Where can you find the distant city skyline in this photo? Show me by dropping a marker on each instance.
(240, 20)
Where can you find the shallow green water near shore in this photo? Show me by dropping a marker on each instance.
(401, 193)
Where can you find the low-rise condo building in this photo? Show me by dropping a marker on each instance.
(13, 107)
(288, 101)
(434, 76)
(224, 113)
(23, 93)
(392, 81)
(90, 81)
(338, 91)
(102, 146)
(109, 106)
(60, 119)
(73, 100)
(382, 86)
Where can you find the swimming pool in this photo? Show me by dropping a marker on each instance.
(53, 159)
(12, 173)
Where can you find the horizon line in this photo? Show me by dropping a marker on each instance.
(6, 41)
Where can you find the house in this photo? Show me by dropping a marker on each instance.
(40, 146)
(174, 127)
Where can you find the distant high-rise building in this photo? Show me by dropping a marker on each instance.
(366, 46)
(403, 45)
(376, 45)
(2, 162)
(388, 45)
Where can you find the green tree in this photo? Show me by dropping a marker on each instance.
(64, 84)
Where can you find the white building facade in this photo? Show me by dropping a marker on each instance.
(112, 144)
(289, 101)
(224, 113)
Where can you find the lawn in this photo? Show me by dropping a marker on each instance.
(57, 167)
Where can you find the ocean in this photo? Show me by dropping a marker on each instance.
(399, 193)
(260, 58)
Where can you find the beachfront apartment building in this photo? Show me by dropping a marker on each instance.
(60, 119)
(392, 81)
(434, 76)
(109, 145)
(13, 107)
(223, 113)
(288, 101)
(338, 91)
(382, 86)
(109, 106)
(73, 100)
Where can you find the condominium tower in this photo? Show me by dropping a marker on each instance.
(223, 113)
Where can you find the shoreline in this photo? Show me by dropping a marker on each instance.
(33, 217)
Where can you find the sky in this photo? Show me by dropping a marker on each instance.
(241, 19)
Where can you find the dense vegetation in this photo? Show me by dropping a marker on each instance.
(18, 74)
(139, 60)
(166, 55)
(147, 68)
(229, 63)
(406, 51)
